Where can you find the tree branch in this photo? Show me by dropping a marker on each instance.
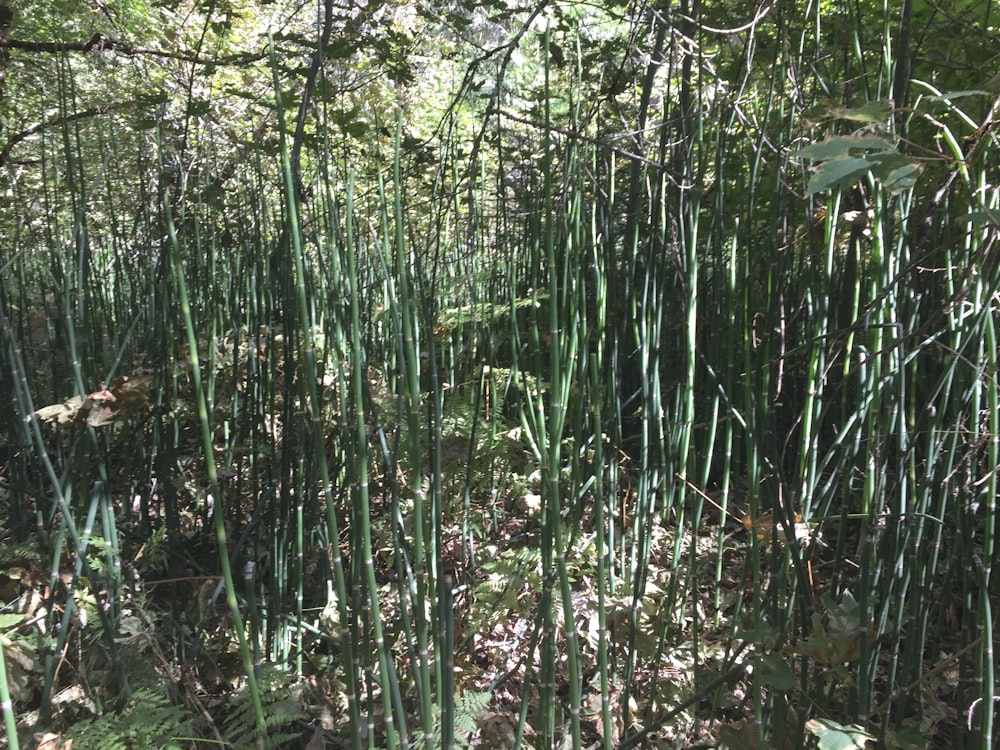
(59, 119)
(101, 43)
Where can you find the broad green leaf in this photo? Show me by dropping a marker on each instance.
(908, 738)
(985, 217)
(10, 621)
(841, 145)
(833, 736)
(760, 633)
(845, 617)
(773, 670)
(838, 172)
(901, 178)
(740, 737)
(870, 112)
(896, 171)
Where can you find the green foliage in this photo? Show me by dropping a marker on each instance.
(469, 708)
(533, 346)
(505, 582)
(833, 736)
(21, 659)
(149, 720)
(282, 707)
(843, 160)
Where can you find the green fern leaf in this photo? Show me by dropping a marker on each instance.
(282, 708)
(148, 721)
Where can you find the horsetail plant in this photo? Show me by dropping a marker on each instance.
(567, 420)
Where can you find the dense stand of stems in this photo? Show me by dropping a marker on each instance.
(678, 343)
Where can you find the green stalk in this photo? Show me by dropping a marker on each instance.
(362, 502)
(62, 488)
(986, 622)
(425, 556)
(316, 433)
(603, 535)
(215, 497)
(6, 705)
(988, 382)
(339, 590)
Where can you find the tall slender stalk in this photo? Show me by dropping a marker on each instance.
(215, 499)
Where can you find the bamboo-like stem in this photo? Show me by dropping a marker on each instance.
(215, 499)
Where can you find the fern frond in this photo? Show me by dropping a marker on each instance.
(149, 721)
(468, 708)
(282, 708)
